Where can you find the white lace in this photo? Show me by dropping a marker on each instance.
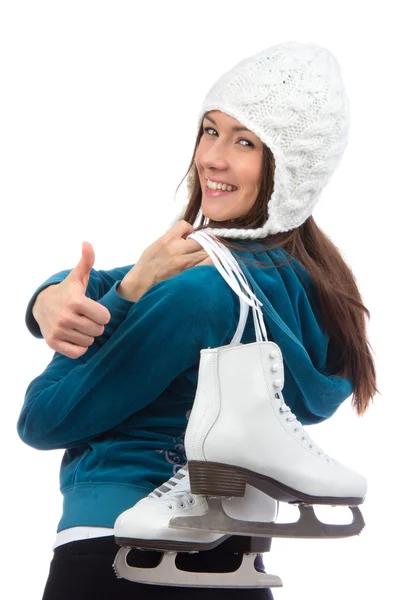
(299, 428)
(227, 268)
(176, 488)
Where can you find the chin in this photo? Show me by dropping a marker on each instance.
(220, 219)
(225, 220)
(217, 218)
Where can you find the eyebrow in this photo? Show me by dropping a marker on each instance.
(233, 128)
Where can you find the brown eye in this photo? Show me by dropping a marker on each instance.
(205, 129)
(244, 140)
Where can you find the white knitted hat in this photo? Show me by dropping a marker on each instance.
(292, 97)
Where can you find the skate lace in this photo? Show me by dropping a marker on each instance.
(228, 268)
(176, 489)
(290, 417)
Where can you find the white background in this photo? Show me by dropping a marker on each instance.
(99, 104)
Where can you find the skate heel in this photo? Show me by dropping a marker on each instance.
(216, 480)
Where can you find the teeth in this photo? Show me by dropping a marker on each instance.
(220, 186)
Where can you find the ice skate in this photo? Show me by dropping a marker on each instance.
(146, 526)
(241, 432)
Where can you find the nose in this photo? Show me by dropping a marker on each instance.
(215, 157)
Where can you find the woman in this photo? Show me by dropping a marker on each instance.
(118, 392)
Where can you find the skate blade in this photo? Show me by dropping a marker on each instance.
(308, 525)
(166, 573)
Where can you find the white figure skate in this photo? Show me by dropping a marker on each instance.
(146, 526)
(240, 432)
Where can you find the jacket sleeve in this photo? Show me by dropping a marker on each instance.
(100, 282)
(144, 347)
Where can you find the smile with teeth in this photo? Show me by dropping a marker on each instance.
(213, 185)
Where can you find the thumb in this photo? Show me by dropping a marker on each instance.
(81, 272)
(182, 228)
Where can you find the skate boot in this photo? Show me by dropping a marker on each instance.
(146, 526)
(241, 432)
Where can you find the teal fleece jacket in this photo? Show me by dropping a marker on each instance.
(120, 410)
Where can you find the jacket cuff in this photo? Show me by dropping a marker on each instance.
(30, 320)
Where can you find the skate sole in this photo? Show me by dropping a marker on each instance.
(168, 545)
(228, 543)
(216, 480)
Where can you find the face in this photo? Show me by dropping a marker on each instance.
(231, 157)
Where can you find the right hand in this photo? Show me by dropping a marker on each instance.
(68, 320)
(169, 255)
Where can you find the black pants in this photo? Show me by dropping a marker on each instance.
(83, 570)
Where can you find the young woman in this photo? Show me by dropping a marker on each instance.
(119, 389)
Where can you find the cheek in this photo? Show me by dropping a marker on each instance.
(256, 176)
(253, 178)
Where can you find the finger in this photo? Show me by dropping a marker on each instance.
(86, 326)
(207, 261)
(189, 246)
(74, 336)
(81, 272)
(181, 228)
(201, 258)
(67, 349)
(93, 311)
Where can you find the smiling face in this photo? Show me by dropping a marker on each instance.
(229, 156)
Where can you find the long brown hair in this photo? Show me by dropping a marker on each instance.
(337, 299)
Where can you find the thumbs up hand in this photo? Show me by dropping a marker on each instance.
(68, 320)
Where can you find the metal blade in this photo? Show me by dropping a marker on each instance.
(308, 525)
(166, 573)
